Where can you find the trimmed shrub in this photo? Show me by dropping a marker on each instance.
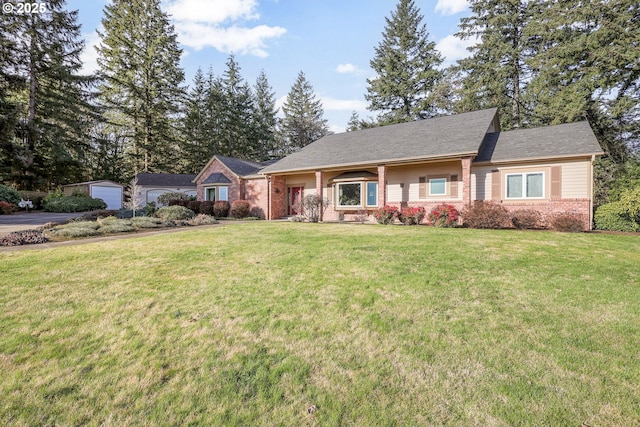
(411, 215)
(221, 209)
(527, 219)
(166, 198)
(25, 237)
(116, 226)
(386, 214)
(487, 214)
(569, 222)
(7, 208)
(443, 215)
(206, 208)
(145, 222)
(77, 229)
(8, 194)
(240, 209)
(622, 215)
(173, 213)
(77, 203)
(202, 219)
(613, 217)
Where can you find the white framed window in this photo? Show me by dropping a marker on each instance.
(529, 185)
(372, 193)
(437, 186)
(349, 194)
(217, 193)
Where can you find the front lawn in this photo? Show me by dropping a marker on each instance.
(315, 324)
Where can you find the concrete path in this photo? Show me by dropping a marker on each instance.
(28, 221)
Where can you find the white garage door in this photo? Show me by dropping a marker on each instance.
(112, 196)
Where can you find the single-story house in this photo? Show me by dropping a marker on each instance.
(148, 186)
(230, 179)
(110, 192)
(454, 159)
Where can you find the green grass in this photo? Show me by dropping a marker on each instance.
(252, 323)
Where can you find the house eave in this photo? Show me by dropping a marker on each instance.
(538, 159)
(373, 164)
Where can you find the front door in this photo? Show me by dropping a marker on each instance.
(295, 200)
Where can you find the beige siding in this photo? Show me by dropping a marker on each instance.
(481, 183)
(403, 182)
(308, 181)
(575, 179)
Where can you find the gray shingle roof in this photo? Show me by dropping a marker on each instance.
(166, 179)
(241, 167)
(423, 139)
(217, 178)
(552, 141)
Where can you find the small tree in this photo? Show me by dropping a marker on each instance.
(313, 206)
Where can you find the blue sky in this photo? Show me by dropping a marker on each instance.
(331, 41)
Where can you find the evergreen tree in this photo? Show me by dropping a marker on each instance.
(196, 148)
(406, 64)
(236, 138)
(303, 120)
(264, 118)
(495, 75)
(139, 64)
(44, 101)
(586, 66)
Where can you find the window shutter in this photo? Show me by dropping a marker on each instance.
(454, 186)
(556, 181)
(330, 193)
(422, 187)
(495, 185)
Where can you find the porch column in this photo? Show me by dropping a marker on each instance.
(269, 198)
(382, 185)
(466, 181)
(319, 190)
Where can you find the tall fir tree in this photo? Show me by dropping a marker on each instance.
(196, 145)
(45, 102)
(587, 66)
(264, 118)
(139, 60)
(303, 121)
(406, 65)
(236, 138)
(496, 72)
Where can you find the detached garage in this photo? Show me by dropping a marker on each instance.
(108, 191)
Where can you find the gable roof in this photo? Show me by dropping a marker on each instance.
(166, 179)
(217, 178)
(439, 137)
(566, 140)
(241, 168)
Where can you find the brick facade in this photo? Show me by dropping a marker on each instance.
(235, 192)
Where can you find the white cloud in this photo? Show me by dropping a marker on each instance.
(89, 55)
(453, 48)
(212, 11)
(331, 104)
(451, 7)
(234, 39)
(201, 24)
(348, 68)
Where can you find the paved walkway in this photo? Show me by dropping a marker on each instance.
(30, 220)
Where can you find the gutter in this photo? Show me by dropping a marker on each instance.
(372, 164)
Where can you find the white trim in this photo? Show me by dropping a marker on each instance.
(524, 185)
(441, 178)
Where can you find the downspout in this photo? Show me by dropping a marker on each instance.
(593, 160)
(269, 198)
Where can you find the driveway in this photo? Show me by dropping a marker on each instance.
(31, 220)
